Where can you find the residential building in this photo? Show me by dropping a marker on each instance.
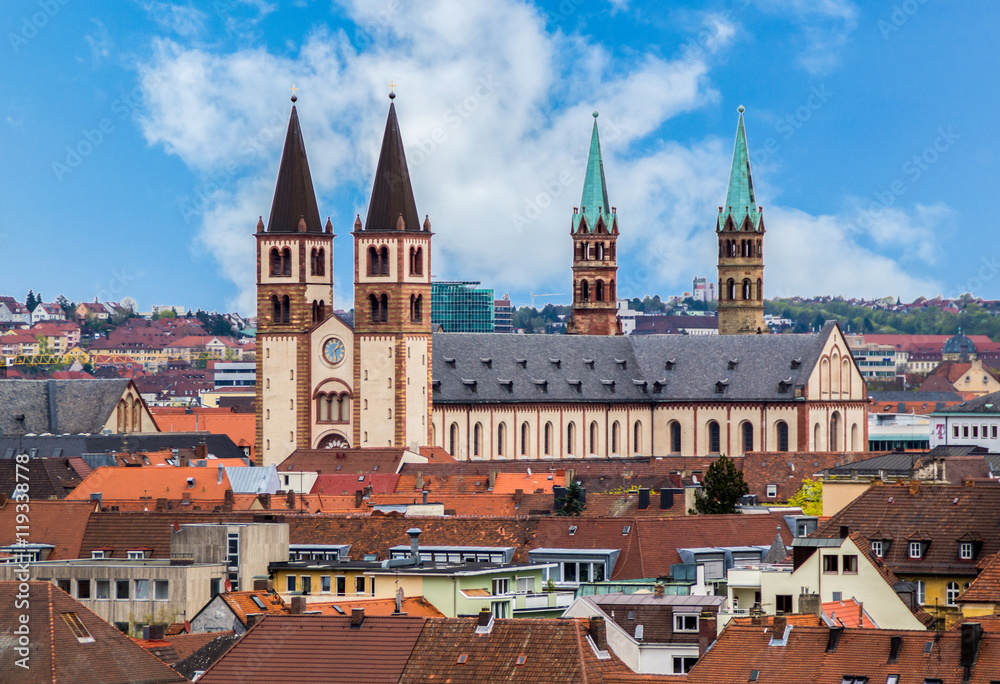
(228, 611)
(503, 315)
(668, 324)
(968, 378)
(234, 374)
(874, 360)
(627, 316)
(703, 290)
(68, 641)
(898, 431)
(973, 422)
(462, 307)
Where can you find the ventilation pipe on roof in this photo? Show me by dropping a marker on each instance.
(424, 492)
(414, 533)
(220, 474)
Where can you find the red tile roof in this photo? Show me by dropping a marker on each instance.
(123, 531)
(242, 602)
(332, 483)
(60, 523)
(186, 644)
(413, 606)
(986, 587)
(787, 469)
(155, 482)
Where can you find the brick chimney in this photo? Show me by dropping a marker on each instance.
(298, 605)
(599, 632)
(265, 501)
(357, 617)
(359, 498)
(201, 451)
(155, 632)
(253, 619)
(290, 499)
(707, 630)
(263, 585)
(779, 624)
(227, 501)
(484, 617)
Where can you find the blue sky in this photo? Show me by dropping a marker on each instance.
(140, 139)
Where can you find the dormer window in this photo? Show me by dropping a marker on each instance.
(732, 364)
(670, 364)
(966, 551)
(796, 363)
(720, 386)
(136, 555)
(916, 550)
(878, 548)
(523, 363)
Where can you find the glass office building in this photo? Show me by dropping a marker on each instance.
(461, 306)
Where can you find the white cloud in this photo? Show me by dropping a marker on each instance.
(184, 20)
(495, 114)
(825, 26)
(99, 41)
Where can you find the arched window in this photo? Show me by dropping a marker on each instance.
(285, 313)
(816, 437)
(128, 414)
(383, 255)
(637, 438)
(675, 437)
(714, 438)
(951, 594)
(781, 427)
(384, 308)
(600, 251)
(373, 304)
(418, 262)
(312, 261)
(321, 312)
(570, 437)
(373, 261)
(835, 375)
(320, 262)
(730, 289)
(614, 437)
(286, 262)
(413, 263)
(121, 416)
(416, 308)
(275, 262)
(275, 309)
(477, 439)
(854, 437)
(834, 430)
(322, 408)
(593, 437)
(453, 439)
(547, 444)
(501, 437)
(585, 291)
(524, 439)
(611, 291)
(747, 436)
(599, 291)
(747, 294)
(344, 408)
(760, 289)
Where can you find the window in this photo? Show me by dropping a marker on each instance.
(142, 590)
(306, 584)
(683, 664)
(161, 590)
(341, 585)
(772, 491)
(102, 589)
(951, 594)
(831, 564)
(954, 431)
(851, 564)
(96, 555)
(359, 584)
(122, 627)
(685, 622)
(782, 435)
(570, 437)
(921, 592)
(714, 438)
(849, 679)
(501, 430)
(675, 437)
(501, 586)
(83, 589)
(63, 584)
(993, 431)
(324, 584)
(77, 627)
(593, 437)
(892, 679)
(290, 583)
(916, 549)
(499, 608)
(215, 586)
(121, 589)
(136, 555)
(878, 548)
(614, 437)
(783, 603)
(525, 585)
(747, 437)
(965, 550)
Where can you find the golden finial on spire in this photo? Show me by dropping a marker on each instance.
(293, 89)
(392, 90)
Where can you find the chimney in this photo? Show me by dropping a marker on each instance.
(845, 531)
(161, 504)
(493, 478)
(895, 646)
(357, 617)
(290, 499)
(424, 492)
(484, 617)
(420, 479)
(155, 632)
(201, 451)
(914, 487)
(599, 632)
(227, 502)
(779, 624)
(263, 585)
(414, 533)
(298, 605)
(359, 498)
(707, 630)
(833, 639)
(570, 474)
(972, 636)
(253, 619)
(399, 601)
(96, 496)
(658, 589)
(809, 604)
(518, 496)
(666, 499)
(643, 498)
(265, 501)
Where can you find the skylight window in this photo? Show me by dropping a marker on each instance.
(258, 602)
(78, 628)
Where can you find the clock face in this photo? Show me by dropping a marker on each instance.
(333, 351)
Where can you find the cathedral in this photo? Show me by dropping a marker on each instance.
(391, 382)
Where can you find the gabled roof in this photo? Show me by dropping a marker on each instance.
(414, 606)
(60, 523)
(337, 483)
(242, 603)
(989, 403)
(50, 478)
(115, 483)
(986, 587)
(392, 195)
(213, 646)
(80, 406)
(69, 643)
(294, 196)
(124, 531)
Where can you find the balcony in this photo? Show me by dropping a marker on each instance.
(544, 601)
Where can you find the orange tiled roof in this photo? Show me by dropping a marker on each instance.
(986, 587)
(414, 606)
(539, 483)
(848, 614)
(155, 482)
(241, 427)
(242, 602)
(61, 523)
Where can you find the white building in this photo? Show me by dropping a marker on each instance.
(974, 422)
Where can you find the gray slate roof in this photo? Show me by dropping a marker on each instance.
(58, 406)
(91, 447)
(989, 403)
(477, 368)
(929, 397)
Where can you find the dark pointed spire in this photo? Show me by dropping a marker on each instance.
(392, 195)
(294, 197)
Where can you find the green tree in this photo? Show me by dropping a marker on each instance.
(722, 488)
(67, 306)
(572, 502)
(809, 498)
(30, 302)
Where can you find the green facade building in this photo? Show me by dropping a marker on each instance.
(461, 306)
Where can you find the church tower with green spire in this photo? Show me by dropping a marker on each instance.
(595, 256)
(740, 228)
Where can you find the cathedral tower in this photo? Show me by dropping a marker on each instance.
(294, 295)
(740, 228)
(595, 259)
(392, 308)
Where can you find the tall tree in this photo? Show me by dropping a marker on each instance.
(722, 488)
(30, 302)
(572, 503)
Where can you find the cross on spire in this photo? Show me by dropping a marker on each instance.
(392, 90)
(293, 89)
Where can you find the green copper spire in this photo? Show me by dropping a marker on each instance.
(595, 190)
(740, 198)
